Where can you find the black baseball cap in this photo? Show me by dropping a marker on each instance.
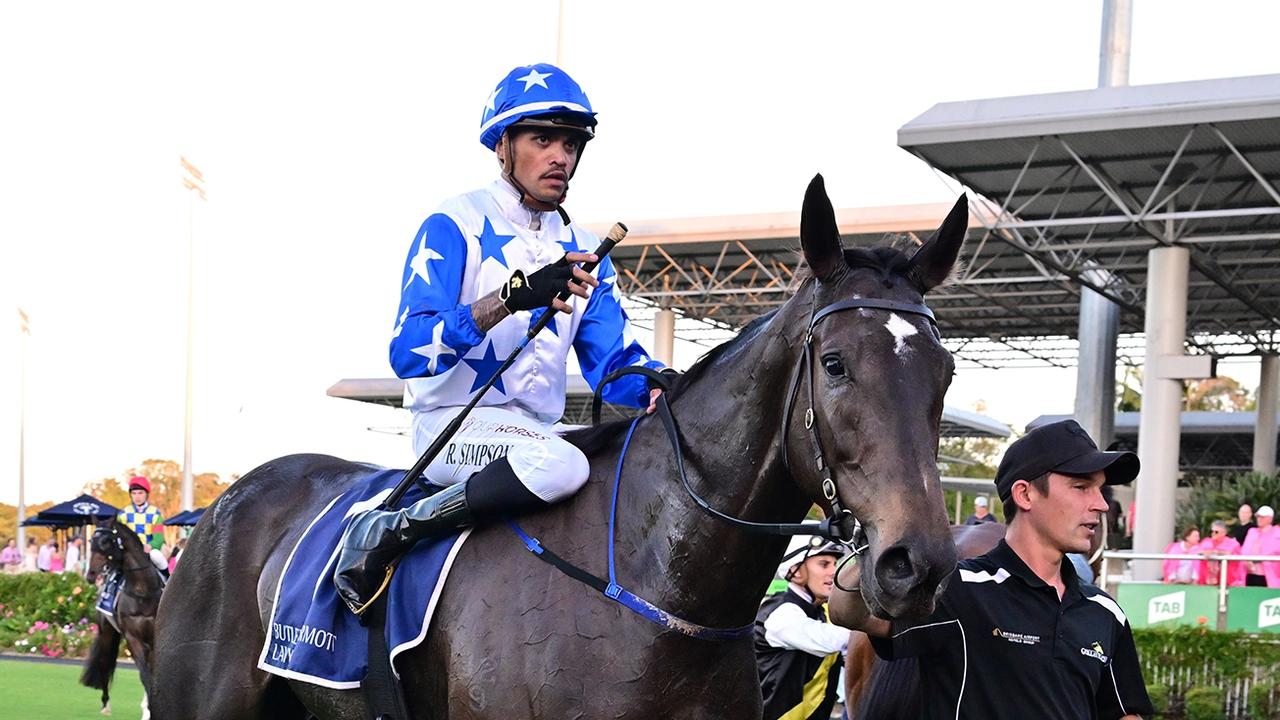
(1062, 447)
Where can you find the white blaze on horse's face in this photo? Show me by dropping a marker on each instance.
(901, 330)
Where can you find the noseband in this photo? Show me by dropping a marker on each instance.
(838, 524)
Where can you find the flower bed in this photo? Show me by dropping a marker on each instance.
(49, 614)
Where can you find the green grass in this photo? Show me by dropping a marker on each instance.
(48, 691)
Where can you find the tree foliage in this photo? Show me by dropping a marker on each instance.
(1218, 498)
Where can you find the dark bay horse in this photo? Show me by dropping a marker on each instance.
(114, 548)
(513, 638)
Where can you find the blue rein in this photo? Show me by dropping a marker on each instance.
(611, 589)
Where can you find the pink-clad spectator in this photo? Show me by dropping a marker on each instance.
(1217, 544)
(1184, 570)
(11, 557)
(1262, 540)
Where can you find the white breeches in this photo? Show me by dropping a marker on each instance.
(157, 559)
(549, 466)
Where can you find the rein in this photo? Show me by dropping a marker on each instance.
(835, 527)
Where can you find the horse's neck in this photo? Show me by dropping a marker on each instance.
(140, 573)
(669, 551)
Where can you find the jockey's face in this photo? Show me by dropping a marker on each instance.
(817, 575)
(138, 496)
(544, 160)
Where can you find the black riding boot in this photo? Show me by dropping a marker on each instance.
(378, 538)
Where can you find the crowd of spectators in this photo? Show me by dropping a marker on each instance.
(1200, 560)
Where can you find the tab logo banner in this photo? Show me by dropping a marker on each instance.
(1269, 613)
(1166, 607)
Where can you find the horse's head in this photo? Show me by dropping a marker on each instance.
(106, 549)
(877, 373)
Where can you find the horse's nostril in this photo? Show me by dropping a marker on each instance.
(894, 566)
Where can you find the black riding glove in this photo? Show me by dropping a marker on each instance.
(538, 289)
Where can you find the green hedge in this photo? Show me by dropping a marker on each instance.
(1233, 655)
(50, 614)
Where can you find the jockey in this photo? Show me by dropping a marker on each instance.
(480, 272)
(146, 520)
(798, 650)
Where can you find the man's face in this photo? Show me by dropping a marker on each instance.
(138, 496)
(980, 510)
(544, 160)
(1264, 521)
(818, 575)
(1245, 514)
(1070, 515)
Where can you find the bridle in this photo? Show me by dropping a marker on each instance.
(113, 550)
(840, 525)
(836, 526)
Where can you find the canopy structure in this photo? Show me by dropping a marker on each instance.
(186, 518)
(1078, 186)
(80, 511)
(577, 411)
(1210, 441)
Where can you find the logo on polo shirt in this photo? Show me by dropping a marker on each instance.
(1015, 638)
(1095, 652)
(1166, 607)
(1269, 613)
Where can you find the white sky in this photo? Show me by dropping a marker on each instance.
(328, 131)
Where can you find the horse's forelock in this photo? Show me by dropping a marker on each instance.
(890, 260)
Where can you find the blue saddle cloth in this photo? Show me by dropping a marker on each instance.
(108, 592)
(313, 637)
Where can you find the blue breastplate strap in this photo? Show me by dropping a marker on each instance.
(612, 590)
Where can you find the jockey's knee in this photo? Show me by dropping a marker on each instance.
(553, 471)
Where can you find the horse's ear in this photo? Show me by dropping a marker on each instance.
(819, 236)
(934, 261)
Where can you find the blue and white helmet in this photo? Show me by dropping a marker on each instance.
(536, 94)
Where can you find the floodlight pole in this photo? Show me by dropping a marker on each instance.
(193, 181)
(24, 326)
(1099, 321)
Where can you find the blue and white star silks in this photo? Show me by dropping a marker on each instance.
(433, 350)
(485, 366)
(418, 264)
(553, 326)
(465, 251)
(491, 244)
(571, 245)
(535, 78)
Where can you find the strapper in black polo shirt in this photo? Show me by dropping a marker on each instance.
(1062, 447)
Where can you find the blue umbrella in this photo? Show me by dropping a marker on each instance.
(186, 517)
(80, 511)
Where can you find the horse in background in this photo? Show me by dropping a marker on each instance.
(116, 550)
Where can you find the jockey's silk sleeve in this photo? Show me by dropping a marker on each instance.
(430, 314)
(605, 342)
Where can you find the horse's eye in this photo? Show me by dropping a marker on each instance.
(833, 365)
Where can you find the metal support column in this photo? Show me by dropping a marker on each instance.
(664, 336)
(1264, 432)
(1159, 429)
(1095, 407)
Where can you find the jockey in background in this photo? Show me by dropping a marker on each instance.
(146, 520)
